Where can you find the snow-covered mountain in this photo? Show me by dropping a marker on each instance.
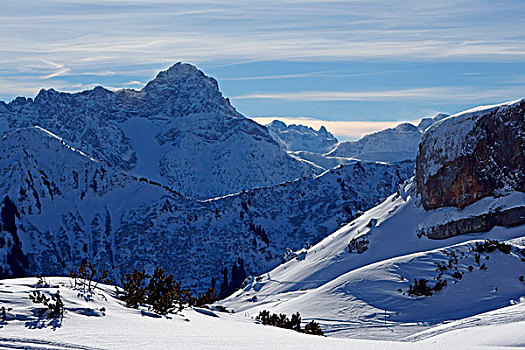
(60, 206)
(393, 144)
(389, 145)
(302, 138)
(432, 232)
(178, 130)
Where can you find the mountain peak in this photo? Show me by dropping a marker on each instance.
(406, 127)
(46, 93)
(184, 89)
(425, 123)
(183, 68)
(180, 75)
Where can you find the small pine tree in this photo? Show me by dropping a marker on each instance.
(295, 322)
(163, 291)
(419, 288)
(457, 275)
(86, 277)
(440, 284)
(225, 286)
(54, 306)
(209, 297)
(313, 328)
(56, 309)
(134, 288)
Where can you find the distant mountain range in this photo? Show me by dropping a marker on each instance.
(302, 138)
(323, 151)
(390, 145)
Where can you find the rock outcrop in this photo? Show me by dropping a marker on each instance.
(479, 223)
(472, 155)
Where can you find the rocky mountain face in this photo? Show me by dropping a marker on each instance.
(61, 206)
(389, 145)
(470, 156)
(178, 130)
(302, 138)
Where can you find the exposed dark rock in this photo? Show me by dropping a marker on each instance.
(17, 261)
(481, 223)
(360, 246)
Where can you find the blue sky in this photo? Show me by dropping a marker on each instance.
(368, 64)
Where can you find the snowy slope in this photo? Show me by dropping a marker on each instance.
(302, 138)
(348, 291)
(85, 326)
(71, 207)
(389, 145)
(178, 130)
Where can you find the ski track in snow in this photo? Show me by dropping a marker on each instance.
(39, 344)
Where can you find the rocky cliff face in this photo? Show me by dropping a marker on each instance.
(477, 223)
(472, 155)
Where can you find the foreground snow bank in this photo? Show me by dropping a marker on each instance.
(99, 321)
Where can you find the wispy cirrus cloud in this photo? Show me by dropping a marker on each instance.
(203, 31)
(57, 73)
(433, 93)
